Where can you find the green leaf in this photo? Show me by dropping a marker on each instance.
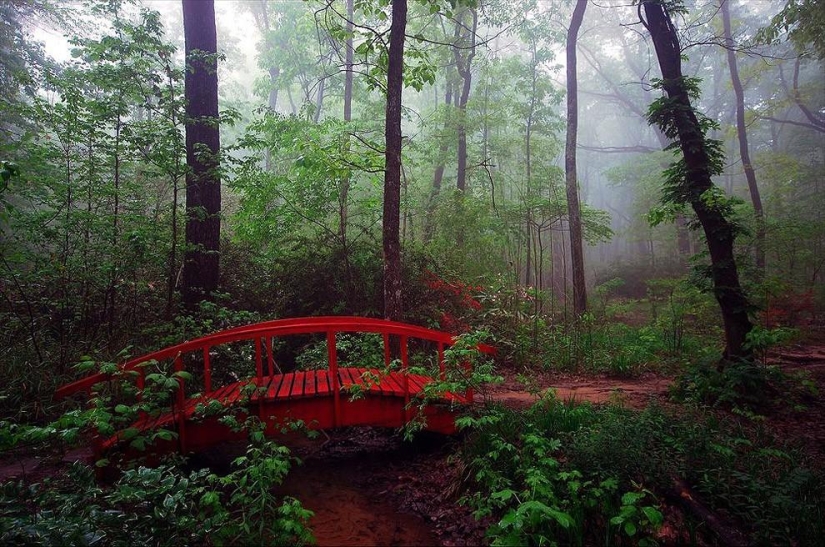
(164, 434)
(654, 516)
(630, 498)
(503, 495)
(168, 501)
(630, 528)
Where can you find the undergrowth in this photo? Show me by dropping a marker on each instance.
(583, 466)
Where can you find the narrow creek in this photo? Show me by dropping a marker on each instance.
(353, 505)
(368, 487)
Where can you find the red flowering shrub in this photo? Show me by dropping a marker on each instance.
(790, 309)
(453, 301)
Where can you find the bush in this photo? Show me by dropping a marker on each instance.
(562, 473)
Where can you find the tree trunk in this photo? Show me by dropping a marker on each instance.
(573, 208)
(683, 124)
(438, 174)
(742, 133)
(348, 61)
(274, 71)
(467, 38)
(392, 173)
(203, 186)
(319, 100)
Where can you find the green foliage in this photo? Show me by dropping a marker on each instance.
(739, 469)
(678, 307)
(302, 192)
(678, 188)
(260, 516)
(597, 345)
(521, 477)
(466, 369)
(87, 225)
(164, 505)
(747, 386)
(543, 472)
(354, 350)
(804, 23)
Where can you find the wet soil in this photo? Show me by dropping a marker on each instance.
(635, 393)
(367, 486)
(370, 487)
(349, 481)
(802, 421)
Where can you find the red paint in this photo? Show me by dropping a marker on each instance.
(313, 396)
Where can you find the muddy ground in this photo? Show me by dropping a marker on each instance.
(370, 487)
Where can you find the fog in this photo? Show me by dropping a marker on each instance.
(508, 70)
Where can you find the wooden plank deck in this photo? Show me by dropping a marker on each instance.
(308, 391)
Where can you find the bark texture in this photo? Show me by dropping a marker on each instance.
(742, 134)
(464, 50)
(392, 166)
(201, 268)
(719, 231)
(571, 179)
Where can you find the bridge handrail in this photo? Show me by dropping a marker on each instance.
(277, 328)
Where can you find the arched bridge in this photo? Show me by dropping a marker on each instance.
(330, 394)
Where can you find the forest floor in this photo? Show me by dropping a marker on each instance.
(369, 487)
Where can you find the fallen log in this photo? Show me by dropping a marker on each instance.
(727, 533)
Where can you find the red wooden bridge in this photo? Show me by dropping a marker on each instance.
(326, 397)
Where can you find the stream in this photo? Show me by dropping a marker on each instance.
(368, 486)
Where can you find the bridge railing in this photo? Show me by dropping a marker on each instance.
(263, 334)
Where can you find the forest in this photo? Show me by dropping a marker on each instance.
(613, 211)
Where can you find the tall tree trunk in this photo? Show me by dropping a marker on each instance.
(463, 60)
(392, 170)
(349, 56)
(203, 186)
(438, 174)
(682, 124)
(319, 100)
(274, 71)
(573, 208)
(742, 133)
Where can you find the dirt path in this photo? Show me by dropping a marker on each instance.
(636, 393)
(369, 487)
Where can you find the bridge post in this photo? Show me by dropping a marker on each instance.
(332, 353)
(207, 370)
(442, 373)
(405, 366)
(180, 401)
(259, 366)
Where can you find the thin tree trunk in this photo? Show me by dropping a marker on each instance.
(348, 61)
(392, 175)
(438, 174)
(573, 208)
(742, 134)
(463, 62)
(319, 100)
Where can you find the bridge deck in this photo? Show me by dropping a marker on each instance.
(308, 396)
(320, 399)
